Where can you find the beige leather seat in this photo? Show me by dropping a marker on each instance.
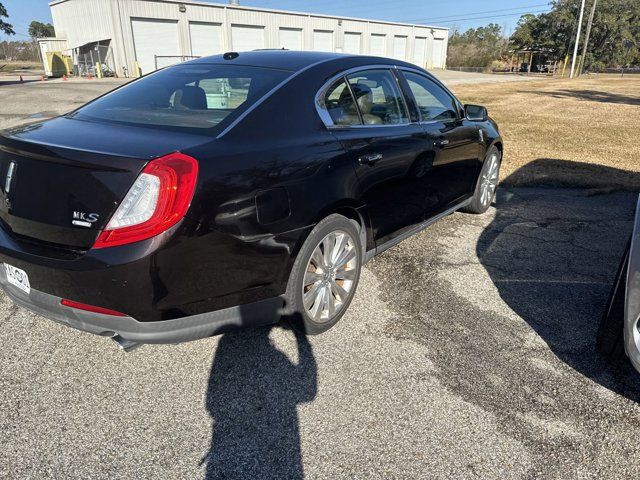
(364, 97)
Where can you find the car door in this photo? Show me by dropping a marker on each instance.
(372, 123)
(457, 141)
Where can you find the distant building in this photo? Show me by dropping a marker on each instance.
(157, 33)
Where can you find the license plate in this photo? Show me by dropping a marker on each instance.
(18, 278)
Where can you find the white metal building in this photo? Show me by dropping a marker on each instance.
(156, 33)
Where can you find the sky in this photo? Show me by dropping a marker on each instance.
(462, 14)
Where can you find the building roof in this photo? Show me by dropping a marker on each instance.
(271, 10)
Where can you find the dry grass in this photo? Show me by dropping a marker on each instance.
(13, 66)
(584, 132)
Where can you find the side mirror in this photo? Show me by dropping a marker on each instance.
(475, 113)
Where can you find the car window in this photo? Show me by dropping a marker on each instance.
(378, 97)
(225, 92)
(341, 106)
(433, 102)
(185, 97)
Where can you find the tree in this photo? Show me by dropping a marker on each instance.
(4, 26)
(616, 24)
(19, 50)
(477, 47)
(41, 30)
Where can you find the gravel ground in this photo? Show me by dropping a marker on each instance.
(468, 352)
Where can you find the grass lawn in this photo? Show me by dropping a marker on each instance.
(583, 132)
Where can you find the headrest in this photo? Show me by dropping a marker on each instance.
(192, 98)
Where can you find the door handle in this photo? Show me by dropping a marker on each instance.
(370, 159)
(441, 142)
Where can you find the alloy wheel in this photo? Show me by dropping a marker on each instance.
(330, 276)
(489, 181)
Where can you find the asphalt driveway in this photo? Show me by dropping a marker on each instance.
(468, 353)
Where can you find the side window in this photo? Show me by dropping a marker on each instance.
(340, 105)
(379, 98)
(433, 102)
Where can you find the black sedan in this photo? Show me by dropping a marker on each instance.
(233, 190)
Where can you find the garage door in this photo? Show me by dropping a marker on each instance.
(378, 45)
(400, 47)
(245, 38)
(352, 43)
(146, 33)
(206, 39)
(437, 53)
(291, 38)
(323, 40)
(420, 51)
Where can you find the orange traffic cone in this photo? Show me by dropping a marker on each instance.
(64, 78)
(89, 77)
(42, 78)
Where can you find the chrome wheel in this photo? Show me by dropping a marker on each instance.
(489, 180)
(330, 276)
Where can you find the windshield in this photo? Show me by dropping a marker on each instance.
(185, 97)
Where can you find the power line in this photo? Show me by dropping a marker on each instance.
(524, 8)
(488, 17)
(454, 18)
(18, 34)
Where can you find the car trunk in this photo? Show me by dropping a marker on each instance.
(60, 181)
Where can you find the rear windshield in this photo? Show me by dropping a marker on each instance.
(185, 97)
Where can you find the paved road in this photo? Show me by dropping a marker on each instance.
(35, 100)
(468, 353)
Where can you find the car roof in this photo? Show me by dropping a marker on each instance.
(287, 59)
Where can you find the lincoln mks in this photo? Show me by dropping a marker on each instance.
(233, 190)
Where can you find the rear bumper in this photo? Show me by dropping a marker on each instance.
(187, 271)
(178, 330)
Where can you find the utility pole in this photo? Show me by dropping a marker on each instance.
(586, 36)
(575, 48)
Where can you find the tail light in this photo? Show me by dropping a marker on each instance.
(157, 200)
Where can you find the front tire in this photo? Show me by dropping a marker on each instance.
(487, 183)
(325, 275)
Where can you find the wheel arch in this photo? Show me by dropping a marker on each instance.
(351, 210)
(498, 144)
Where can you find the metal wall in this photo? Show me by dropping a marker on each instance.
(84, 21)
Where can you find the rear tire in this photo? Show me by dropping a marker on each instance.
(487, 183)
(324, 276)
(610, 339)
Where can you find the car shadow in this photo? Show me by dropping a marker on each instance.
(552, 258)
(589, 95)
(252, 397)
(552, 172)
